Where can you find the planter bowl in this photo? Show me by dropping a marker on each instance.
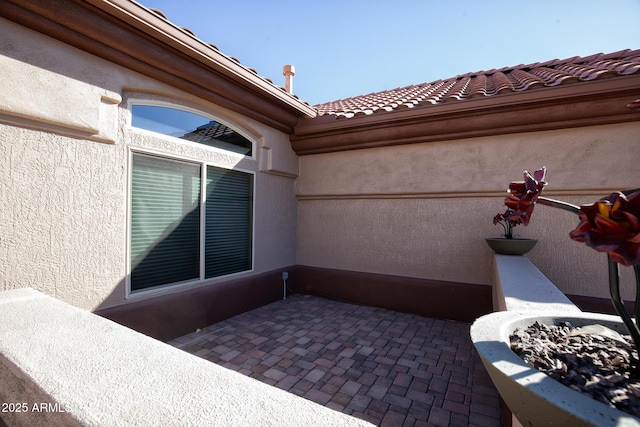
(515, 246)
(534, 398)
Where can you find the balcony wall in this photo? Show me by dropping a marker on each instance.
(423, 210)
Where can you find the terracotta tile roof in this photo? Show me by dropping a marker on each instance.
(488, 83)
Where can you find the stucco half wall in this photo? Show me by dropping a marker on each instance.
(432, 298)
(424, 210)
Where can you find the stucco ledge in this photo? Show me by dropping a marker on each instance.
(520, 287)
(60, 365)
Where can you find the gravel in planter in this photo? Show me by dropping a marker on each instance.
(592, 360)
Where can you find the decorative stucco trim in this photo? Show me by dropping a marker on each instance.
(58, 127)
(596, 192)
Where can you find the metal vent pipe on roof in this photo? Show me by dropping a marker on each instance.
(288, 71)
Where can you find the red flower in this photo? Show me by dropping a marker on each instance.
(524, 194)
(612, 225)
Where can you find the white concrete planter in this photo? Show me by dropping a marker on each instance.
(533, 397)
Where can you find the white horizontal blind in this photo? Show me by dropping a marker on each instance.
(165, 221)
(228, 224)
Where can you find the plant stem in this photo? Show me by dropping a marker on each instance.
(614, 288)
(636, 270)
(558, 204)
(616, 299)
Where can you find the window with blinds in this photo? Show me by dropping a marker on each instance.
(189, 221)
(228, 210)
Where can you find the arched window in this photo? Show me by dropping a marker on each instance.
(190, 126)
(189, 220)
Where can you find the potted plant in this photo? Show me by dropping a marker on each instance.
(508, 244)
(610, 225)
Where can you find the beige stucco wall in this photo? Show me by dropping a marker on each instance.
(65, 141)
(423, 210)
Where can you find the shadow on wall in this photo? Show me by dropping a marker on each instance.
(166, 316)
(172, 315)
(173, 258)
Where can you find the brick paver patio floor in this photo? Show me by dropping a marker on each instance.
(389, 368)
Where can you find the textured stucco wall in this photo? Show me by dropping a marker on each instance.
(63, 195)
(423, 210)
(62, 215)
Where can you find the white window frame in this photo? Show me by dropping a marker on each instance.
(203, 165)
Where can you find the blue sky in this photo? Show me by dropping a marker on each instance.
(354, 47)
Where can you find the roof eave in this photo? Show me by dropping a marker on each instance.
(580, 104)
(128, 34)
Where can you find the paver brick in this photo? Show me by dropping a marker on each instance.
(490, 411)
(202, 352)
(359, 403)
(439, 417)
(318, 396)
(351, 388)
(458, 379)
(271, 360)
(330, 388)
(347, 352)
(299, 351)
(420, 397)
(287, 382)
(484, 399)
(459, 408)
(438, 385)
(481, 420)
(403, 380)
(335, 406)
(454, 396)
(392, 419)
(346, 363)
(462, 389)
(396, 400)
(341, 399)
(367, 379)
(458, 420)
(381, 371)
(315, 375)
(304, 364)
(377, 391)
(420, 411)
(336, 370)
(385, 367)
(275, 374)
(398, 390)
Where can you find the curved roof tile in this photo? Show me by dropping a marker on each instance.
(489, 83)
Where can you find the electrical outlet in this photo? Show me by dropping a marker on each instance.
(285, 275)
